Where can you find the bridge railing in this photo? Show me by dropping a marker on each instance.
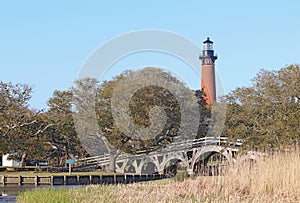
(94, 160)
(175, 146)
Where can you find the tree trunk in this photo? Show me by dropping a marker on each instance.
(63, 160)
(23, 160)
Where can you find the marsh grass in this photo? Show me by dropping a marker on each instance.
(273, 179)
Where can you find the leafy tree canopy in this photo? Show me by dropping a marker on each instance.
(266, 115)
(20, 128)
(141, 107)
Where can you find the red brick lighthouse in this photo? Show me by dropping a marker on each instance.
(208, 83)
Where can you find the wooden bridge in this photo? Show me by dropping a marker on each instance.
(193, 154)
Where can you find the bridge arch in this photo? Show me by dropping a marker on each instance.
(173, 157)
(211, 149)
(148, 168)
(170, 165)
(250, 156)
(129, 168)
(148, 165)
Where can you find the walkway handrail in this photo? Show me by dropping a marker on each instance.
(175, 146)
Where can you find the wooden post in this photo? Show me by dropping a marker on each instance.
(20, 181)
(36, 180)
(70, 169)
(3, 180)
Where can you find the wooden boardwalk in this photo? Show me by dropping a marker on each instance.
(75, 179)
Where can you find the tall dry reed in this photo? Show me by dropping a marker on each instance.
(272, 179)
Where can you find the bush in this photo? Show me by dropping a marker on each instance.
(181, 176)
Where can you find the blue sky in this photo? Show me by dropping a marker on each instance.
(46, 44)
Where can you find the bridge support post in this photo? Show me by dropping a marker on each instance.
(190, 172)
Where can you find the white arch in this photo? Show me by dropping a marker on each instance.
(145, 160)
(251, 155)
(212, 148)
(177, 157)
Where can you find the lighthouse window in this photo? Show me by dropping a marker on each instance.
(208, 46)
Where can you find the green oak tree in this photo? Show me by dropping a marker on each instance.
(61, 135)
(21, 129)
(266, 115)
(140, 112)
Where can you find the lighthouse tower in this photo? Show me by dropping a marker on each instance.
(208, 83)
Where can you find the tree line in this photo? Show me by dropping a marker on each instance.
(265, 115)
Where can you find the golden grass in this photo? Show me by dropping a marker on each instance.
(274, 179)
